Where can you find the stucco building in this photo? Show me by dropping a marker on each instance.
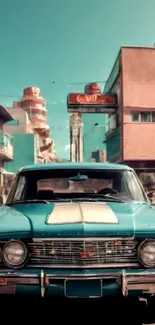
(6, 150)
(30, 117)
(130, 138)
(32, 141)
(30, 132)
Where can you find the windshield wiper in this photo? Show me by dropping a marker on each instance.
(99, 198)
(95, 198)
(29, 201)
(107, 196)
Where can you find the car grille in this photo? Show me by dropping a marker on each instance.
(82, 253)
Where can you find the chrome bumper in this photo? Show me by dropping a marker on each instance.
(138, 282)
(141, 282)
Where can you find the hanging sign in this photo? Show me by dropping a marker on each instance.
(91, 103)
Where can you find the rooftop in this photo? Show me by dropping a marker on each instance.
(74, 166)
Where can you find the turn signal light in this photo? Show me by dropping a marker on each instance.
(3, 281)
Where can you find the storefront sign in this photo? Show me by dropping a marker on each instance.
(92, 103)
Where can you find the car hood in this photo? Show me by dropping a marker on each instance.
(84, 219)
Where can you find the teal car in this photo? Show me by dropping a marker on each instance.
(79, 230)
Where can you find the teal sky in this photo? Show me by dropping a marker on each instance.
(67, 41)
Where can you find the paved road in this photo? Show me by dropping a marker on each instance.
(14, 312)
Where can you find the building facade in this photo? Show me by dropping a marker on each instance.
(35, 106)
(94, 129)
(32, 141)
(30, 131)
(6, 151)
(130, 137)
(30, 117)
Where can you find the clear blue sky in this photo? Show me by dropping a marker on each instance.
(67, 41)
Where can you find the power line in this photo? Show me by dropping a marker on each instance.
(86, 82)
(50, 101)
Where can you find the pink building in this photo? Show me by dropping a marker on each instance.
(30, 116)
(131, 130)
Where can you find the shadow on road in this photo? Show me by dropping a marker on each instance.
(22, 311)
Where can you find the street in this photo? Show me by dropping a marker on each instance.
(18, 311)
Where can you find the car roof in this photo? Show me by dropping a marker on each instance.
(71, 165)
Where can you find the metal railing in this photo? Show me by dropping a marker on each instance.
(6, 144)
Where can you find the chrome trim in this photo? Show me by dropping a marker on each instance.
(101, 275)
(23, 281)
(94, 266)
(134, 281)
(82, 276)
(20, 281)
(42, 280)
(15, 274)
(82, 238)
(142, 282)
(67, 254)
(124, 289)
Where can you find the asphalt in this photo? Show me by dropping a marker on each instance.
(23, 311)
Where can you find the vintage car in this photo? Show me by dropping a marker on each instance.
(77, 230)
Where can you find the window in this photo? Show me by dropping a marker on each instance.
(20, 188)
(112, 122)
(135, 117)
(143, 117)
(153, 117)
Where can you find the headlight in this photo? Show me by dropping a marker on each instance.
(146, 252)
(15, 253)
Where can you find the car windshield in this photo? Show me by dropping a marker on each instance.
(67, 184)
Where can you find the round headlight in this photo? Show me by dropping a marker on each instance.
(15, 253)
(146, 252)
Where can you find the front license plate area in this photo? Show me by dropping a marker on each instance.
(83, 288)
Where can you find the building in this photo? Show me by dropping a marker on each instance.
(130, 138)
(25, 152)
(20, 123)
(31, 134)
(6, 150)
(94, 129)
(35, 106)
(32, 142)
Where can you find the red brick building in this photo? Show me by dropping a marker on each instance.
(130, 137)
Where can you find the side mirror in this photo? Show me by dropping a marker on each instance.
(151, 196)
(1, 199)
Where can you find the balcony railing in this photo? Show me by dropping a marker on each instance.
(6, 147)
